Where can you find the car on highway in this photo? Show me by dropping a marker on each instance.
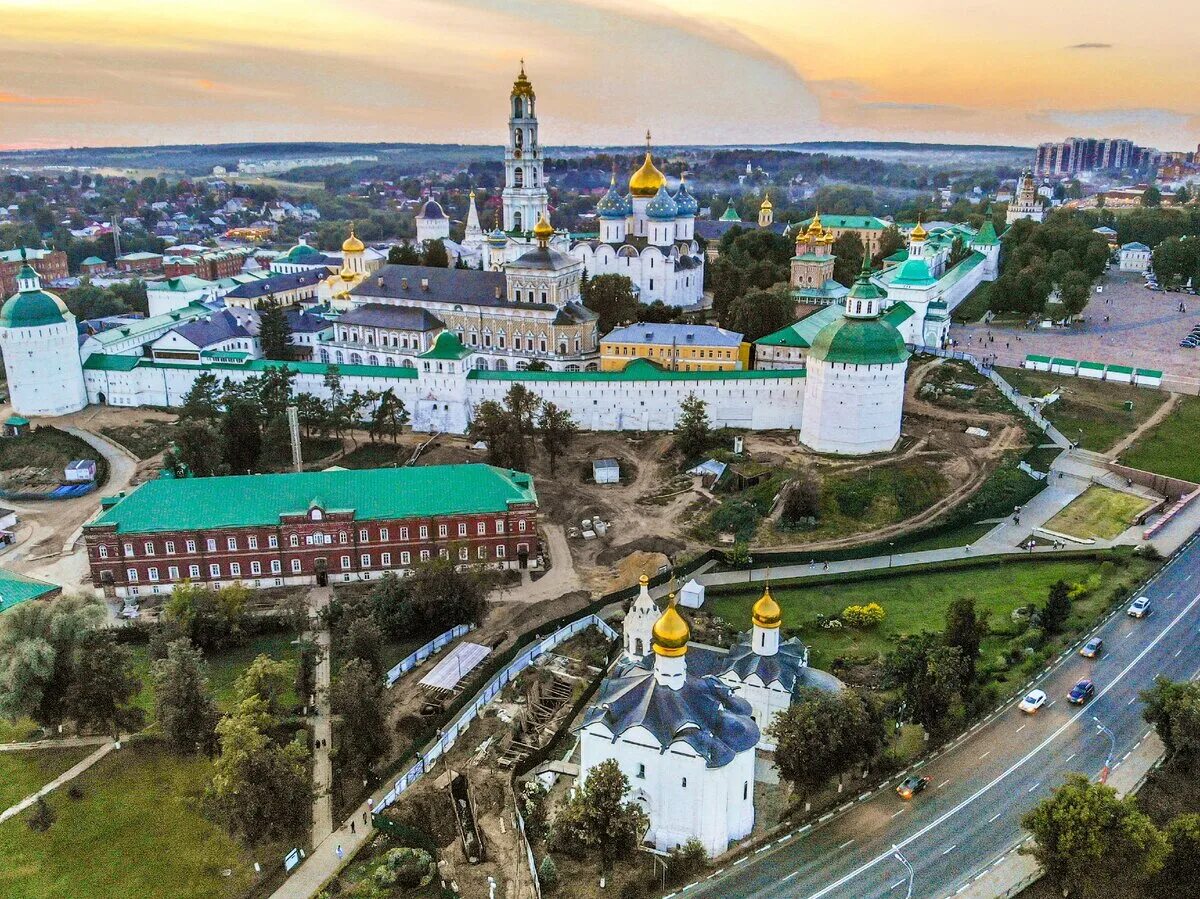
(1092, 648)
(1081, 692)
(911, 786)
(1140, 607)
(1033, 701)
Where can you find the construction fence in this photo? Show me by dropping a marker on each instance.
(409, 662)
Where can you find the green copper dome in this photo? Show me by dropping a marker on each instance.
(300, 252)
(32, 306)
(867, 341)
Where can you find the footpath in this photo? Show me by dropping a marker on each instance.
(66, 777)
(322, 810)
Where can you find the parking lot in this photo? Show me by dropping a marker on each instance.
(1127, 324)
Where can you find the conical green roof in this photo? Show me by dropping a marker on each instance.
(864, 288)
(730, 214)
(859, 341)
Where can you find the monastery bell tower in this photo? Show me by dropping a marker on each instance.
(525, 197)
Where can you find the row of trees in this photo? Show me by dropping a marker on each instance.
(1060, 256)
(509, 428)
(1177, 261)
(231, 428)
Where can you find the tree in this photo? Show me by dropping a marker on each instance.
(822, 735)
(965, 630)
(598, 818)
(931, 676)
(443, 597)
(265, 678)
(434, 255)
(801, 499)
(760, 312)
(1174, 710)
(1181, 871)
(506, 428)
(1088, 841)
(241, 440)
(890, 241)
(357, 698)
(364, 641)
(39, 646)
(183, 704)
(1152, 197)
(390, 416)
(612, 298)
(103, 686)
(1075, 290)
(848, 258)
(274, 331)
(557, 429)
(1183, 196)
(693, 433)
(203, 400)
(259, 788)
(958, 252)
(1057, 608)
(403, 254)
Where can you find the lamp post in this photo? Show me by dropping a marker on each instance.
(899, 856)
(891, 553)
(1112, 749)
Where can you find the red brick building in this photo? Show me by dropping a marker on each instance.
(311, 528)
(49, 264)
(140, 262)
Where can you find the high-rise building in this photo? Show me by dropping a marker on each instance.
(1060, 159)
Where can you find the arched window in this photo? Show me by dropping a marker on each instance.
(501, 365)
(355, 359)
(518, 177)
(517, 217)
(519, 138)
(338, 356)
(391, 363)
(407, 363)
(324, 355)
(372, 360)
(481, 364)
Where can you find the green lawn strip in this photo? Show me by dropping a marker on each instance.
(223, 668)
(1170, 447)
(374, 455)
(1098, 512)
(1095, 407)
(18, 731)
(24, 773)
(914, 602)
(138, 831)
(961, 536)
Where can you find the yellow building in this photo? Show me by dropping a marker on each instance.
(675, 347)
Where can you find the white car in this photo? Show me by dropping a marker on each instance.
(1140, 607)
(1033, 701)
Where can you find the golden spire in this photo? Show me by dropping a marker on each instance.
(815, 230)
(522, 86)
(352, 244)
(646, 181)
(671, 632)
(919, 233)
(766, 611)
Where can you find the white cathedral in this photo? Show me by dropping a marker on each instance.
(646, 234)
(683, 720)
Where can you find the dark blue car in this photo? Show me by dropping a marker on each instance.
(1081, 692)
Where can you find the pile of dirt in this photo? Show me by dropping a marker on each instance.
(629, 569)
(665, 546)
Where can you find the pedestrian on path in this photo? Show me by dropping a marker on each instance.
(339, 852)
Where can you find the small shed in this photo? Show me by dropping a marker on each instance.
(692, 595)
(80, 471)
(606, 471)
(1091, 370)
(16, 426)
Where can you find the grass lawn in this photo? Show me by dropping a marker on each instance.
(49, 448)
(917, 602)
(1170, 448)
(18, 731)
(1099, 512)
(137, 831)
(1095, 407)
(960, 536)
(23, 773)
(376, 455)
(144, 440)
(223, 668)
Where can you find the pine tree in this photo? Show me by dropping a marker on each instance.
(183, 704)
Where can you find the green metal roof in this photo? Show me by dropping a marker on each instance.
(899, 256)
(898, 313)
(1037, 358)
(110, 362)
(16, 588)
(145, 325)
(93, 260)
(1148, 372)
(116, 362)
(637, 370)
(31, 309)
(372, 494)
(862, 222)
(914, 273)
(1121, 369)
(16, 421)
(987, 234)
(802, 333)
(1092, 366)
(1061, 361)
(447, 346)
(853, 341)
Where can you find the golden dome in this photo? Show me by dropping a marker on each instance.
(522, 86)
(814, 227)
(766, 203)
(644, 580)
(766, 611)
(352, 244)
(919, 232)
(543, 230)
(671, 632)
(347, 275)
(646, 181)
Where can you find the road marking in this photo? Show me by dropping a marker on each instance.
(783, 840)
(824, 818)
(1021, 728)
(865, 795)
(716, 873)
(762, 849)
(898, 883)
(951, 849)
(1074, 719)
(744, 858)
(845, 844)
(790, 876)
(1071, 756)
(985, 755)
(994, 818)
(1179, 653)
(1035, 786)
(942, 784)
(901, 812)
(1052, 701)
(1132, 701)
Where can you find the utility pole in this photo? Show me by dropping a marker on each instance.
(293, 419)
(116, 232)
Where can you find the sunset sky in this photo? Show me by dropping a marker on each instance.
(118, 72)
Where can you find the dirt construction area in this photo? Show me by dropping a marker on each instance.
(1126, 324)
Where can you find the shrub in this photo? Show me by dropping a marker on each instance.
(855, 496)
(406, 868)
(43, 816)
(685, 861)
(868, 616)
(737, 516)
(801, 500)
(548, 873)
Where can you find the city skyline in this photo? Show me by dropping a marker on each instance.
(134, 73)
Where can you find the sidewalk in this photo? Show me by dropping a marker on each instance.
(64, 743)
(66, 777)
(322, 811)
(1012, 872)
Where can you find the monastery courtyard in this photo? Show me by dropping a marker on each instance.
(1144, 330)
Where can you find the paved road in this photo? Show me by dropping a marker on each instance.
(981, 786)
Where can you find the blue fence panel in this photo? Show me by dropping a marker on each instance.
(411, 661)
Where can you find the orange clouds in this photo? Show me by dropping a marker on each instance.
(25, 100)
